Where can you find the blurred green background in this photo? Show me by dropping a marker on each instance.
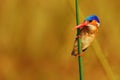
(36, 40)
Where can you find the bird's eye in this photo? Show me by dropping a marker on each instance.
(90, 20)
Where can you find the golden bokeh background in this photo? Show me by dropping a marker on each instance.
(36, 39)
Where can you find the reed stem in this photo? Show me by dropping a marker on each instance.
(79, 42)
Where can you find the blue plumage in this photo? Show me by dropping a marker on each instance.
(93, 17)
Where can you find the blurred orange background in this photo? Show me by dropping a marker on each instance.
(37, 36)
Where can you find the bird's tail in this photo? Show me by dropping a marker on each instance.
(75, 49)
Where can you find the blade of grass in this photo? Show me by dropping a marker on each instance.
(103, 60)
(79, 42)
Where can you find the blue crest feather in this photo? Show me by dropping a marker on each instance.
(93, 17)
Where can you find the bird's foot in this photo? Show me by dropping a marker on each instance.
(78, 36)
(78, 55)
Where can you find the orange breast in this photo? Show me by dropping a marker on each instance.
(87, 36)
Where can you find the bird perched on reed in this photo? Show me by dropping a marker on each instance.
(88, 30)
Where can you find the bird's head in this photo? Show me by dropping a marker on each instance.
(90, 20)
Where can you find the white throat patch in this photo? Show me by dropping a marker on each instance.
(98, 24)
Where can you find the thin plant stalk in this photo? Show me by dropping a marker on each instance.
(79, 42)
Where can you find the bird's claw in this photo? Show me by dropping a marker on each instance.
(78, 36)
(79, 55)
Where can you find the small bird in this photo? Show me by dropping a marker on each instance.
(88, 30)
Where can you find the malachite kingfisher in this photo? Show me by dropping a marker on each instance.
(88, 29)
